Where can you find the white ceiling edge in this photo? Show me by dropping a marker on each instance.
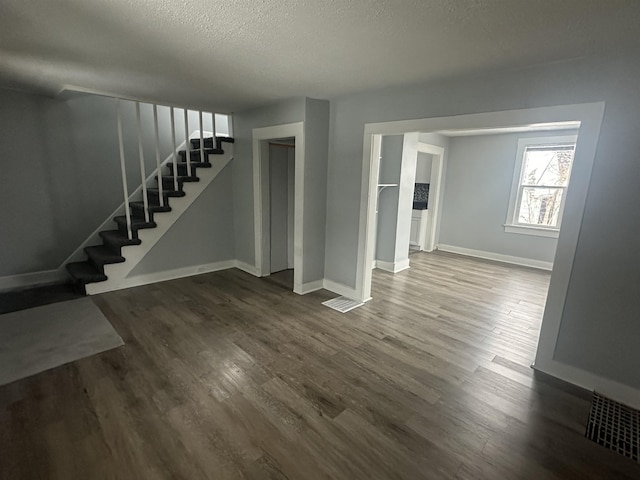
(535, 127)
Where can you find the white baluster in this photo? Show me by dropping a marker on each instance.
(158, 167)
(201, 137)
(175, 149)
(123, 170)
(143, 175)
(187, 144)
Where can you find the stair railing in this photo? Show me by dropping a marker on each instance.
(173, 158)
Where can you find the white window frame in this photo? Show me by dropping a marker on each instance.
(512, 225)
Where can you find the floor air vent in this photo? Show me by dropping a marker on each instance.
(342, 304)
(614, 426)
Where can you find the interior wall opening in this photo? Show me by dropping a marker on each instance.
(586, 117)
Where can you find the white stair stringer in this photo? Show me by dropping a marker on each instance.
(117, 273)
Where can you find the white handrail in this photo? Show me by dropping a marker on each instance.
(143, 176)
(158, 169)
(125, 188)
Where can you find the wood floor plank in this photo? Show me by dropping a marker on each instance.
(227, 376)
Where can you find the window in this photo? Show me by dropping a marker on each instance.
(540, 181)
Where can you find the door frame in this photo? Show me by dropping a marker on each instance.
(261, 208)
(435, 192)
(590, 116)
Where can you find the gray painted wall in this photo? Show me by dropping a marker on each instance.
(600, 328)
(315, 114)
(316, 136)
(476, 197)
(288, 111)
(40, 208)
(202, 235)
(423, 167)
(61, 170)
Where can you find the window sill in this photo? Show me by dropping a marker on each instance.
(535, 231)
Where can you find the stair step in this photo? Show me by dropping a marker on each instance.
(182, 167)
(167, 180)
(137, 209)
(101, 255)
(195, 154)
(208, 142)
(115, 239)
(136, 224)
(153, 194)
(85, 272)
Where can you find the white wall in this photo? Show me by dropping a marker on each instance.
(600, 328)
(476, 197)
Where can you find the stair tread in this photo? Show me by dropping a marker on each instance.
(207, 151)
(152, 207)
(181, 178)
(116, 237)
(102, 255)
(196, 141)
(85, 272)
(168, 193)
(193, 165)
(136, 223)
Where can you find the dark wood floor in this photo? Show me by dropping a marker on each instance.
(226, 376)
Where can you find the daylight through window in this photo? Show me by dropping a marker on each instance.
(540, 182)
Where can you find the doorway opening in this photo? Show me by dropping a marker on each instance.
(587, 116)
(278, 173)
(281, 211)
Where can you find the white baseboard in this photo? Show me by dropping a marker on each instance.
(34, 279)
(304, 288)
(246, 267)
(341, 289)
(498, 257)
(392, 267)
(592, 382)
(146, 279)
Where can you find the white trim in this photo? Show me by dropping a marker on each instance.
(592, 382)
(498, 257)
(163, 276)
(515, 197)
(529, 230)
(435, 194)
(309, 287)
(261, 189)
(246, 267)
(390, 266)
(33, 279)
(341, 289)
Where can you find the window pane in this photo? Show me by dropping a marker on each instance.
(540, 206)
(547, 165)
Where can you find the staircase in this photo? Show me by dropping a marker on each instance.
(108, 264)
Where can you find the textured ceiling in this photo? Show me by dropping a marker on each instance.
(238, 53)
